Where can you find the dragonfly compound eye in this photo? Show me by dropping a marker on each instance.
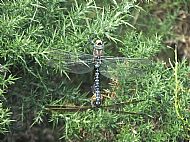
(99, 45)
(98, 42)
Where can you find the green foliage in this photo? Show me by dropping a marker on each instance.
(5, 114)
(30, 29)
(4, 119)
(137, 45)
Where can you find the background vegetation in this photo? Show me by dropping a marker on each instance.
(29, 29)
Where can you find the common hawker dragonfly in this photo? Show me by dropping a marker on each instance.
(108, 66)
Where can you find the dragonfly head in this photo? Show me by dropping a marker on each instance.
(98, 45)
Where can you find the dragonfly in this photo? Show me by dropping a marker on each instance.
(108, 66)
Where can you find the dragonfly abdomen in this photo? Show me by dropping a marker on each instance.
(97, 86)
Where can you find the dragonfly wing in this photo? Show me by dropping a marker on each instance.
(67, 108)
(78, 63)
(117, 67)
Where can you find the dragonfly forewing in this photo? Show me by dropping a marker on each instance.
(78, 63)
(111, 67)
(117, 67)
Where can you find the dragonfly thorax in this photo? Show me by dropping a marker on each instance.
(97, 53)
(97, 65)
